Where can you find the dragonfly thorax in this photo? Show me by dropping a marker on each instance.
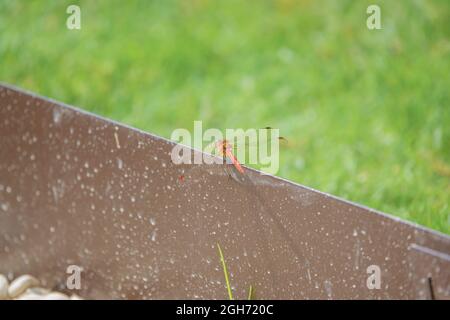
(224, 146)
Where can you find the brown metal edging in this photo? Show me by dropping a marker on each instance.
(70, 196)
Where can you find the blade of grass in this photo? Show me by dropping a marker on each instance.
(225, 272)
(250, 293)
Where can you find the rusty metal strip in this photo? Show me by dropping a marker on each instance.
(77, 189)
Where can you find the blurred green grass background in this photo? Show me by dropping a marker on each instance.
(366, 112)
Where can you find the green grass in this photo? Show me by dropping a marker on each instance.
(366, 112)
(251, 292)
(225, 272)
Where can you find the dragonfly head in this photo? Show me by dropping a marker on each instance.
(223, 146)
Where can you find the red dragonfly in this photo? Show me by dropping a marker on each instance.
(225, 149)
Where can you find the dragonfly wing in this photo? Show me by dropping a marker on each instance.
(254, 142)
(235, 162)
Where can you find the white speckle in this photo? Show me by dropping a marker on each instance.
(119, 163)
(328, 288)
(57, 115)
(116, 137)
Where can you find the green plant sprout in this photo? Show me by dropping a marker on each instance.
(250, 293)
(227, 280)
